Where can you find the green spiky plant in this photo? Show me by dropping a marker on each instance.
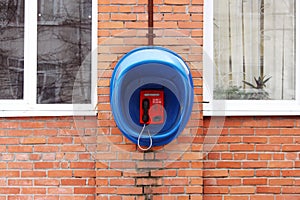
(260, 82)
(260, 94)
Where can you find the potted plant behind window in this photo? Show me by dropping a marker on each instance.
(257, 91)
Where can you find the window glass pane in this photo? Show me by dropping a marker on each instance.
(254, 49)
(11, 49)
(64, 46)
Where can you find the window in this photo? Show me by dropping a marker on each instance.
(48, 57)
(251, 62)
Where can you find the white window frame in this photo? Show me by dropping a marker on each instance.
(28, 105)
(243, 107)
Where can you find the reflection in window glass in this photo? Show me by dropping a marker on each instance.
(254, 49)
(11, 49)
(64, 46)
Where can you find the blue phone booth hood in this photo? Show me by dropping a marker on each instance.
(151, 68)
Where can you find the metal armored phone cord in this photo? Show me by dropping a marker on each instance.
(139, 138)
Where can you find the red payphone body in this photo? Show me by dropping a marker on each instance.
(151, 107)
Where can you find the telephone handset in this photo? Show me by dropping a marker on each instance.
(151, 107)
(145, 106)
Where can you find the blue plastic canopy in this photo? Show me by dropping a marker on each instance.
(151, 67)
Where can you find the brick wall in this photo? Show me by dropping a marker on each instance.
(88, 158)
(256, 158)
(175, 170)
(44, 158)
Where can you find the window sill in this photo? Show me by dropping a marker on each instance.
(251, 108)
(46, 110)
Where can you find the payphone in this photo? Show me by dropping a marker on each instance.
(151, 107)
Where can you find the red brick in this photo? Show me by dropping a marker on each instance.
(9, 173)
(179, 9)
(290, 190)
(7, 141)
(33, 174)
(73, 148)
(149, 165)
(9, 125)
(60, 190)
(267, 131)
(255, 181)
(84, 173)
(110, 25)
(229, 165)
(122, 165)
(163, 173)
(291, 173)
(18, 197)
(123, 17)
(176, 17)
(268, 173)
(176, 164)
(149, 181)
(106, 190)
(262, 140)
(129, 190)
(236, 198)
(19, 149)
(215, 190)
(254, 164)
(60, 140)
(46, 165)
(192, 156)
(211, 198)
(122, 182)
(262, 197)
(60, 173)
(19, 182)
(176, 181)
(9, 190)
(215, 173)
(32, 125)
(110, 173)
(157, 190)
(197, 2)
(45, 132)
(197, 17)
(73, 182)
(229, 182)
(291, 148)
(242, 190)
(20, 165)
(108, 9)
(44, 148)
(47, 182)
(281, 140)
(33, 190)
(196, 181)
(268, 148)
(190, 173)
(290, 131)
(123, 2)
(58, 124)
(84, 190)
(268, 190)
(280, 164)
(283, 123)
(177, 2)
(82, 165)
(242, 147)
(177, 190)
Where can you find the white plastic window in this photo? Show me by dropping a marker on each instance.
(48, 57)
(251, 58)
